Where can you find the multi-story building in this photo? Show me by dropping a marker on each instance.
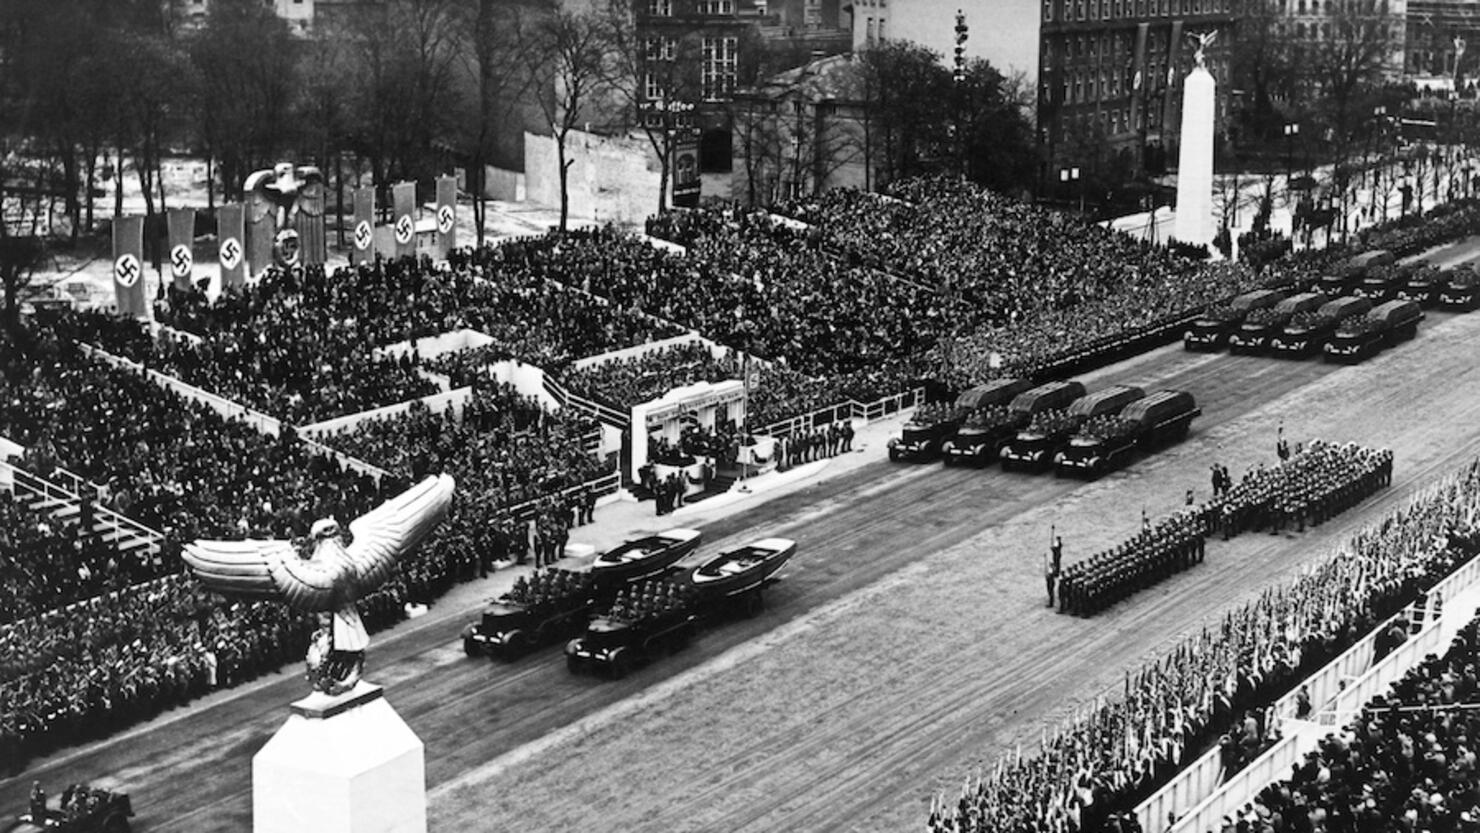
(1438, 35)
(1004, 32)
(298, 13)
(1110, 79)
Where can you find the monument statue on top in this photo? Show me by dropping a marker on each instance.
(285, 216)
(327, 573)
(1194, 219)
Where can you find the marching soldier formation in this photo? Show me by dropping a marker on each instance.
(1086, 587)
(1310, 487)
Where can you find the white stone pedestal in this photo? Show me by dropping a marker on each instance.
(1194, 220)
(345, 764)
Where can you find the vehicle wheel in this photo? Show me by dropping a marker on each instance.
(893, 456)
(470, 646)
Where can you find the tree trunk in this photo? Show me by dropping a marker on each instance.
(560, 136)
(118, 184)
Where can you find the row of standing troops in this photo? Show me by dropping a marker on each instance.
(1089, 586)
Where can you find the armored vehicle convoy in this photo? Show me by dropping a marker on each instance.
(1350, 275)
(1211, 329)
(1034, 447)
(1108, 442)
(1306, 332)
(1261, 325)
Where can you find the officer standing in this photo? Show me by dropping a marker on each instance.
(1052, 566)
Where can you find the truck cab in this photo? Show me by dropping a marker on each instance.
(1307, 332)
(925, 433)
(1108, 441)
(1210, 330)
(1261, 325)
(977, 438)
(1422, 286)
(1347, 277)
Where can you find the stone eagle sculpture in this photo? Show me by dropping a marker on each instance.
(328, 574)
(285, 192)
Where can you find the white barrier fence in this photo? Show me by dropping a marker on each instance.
(117, 529)
(437, 403)
(1461, 595)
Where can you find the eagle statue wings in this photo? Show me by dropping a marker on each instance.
(327, 575)
(283, 204)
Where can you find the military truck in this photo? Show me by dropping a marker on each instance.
(82, 809)
(1211, 329)
(1423, 286)
(1306, 332)
(1108, 442)
(1461, 290)
(925, 433)
(1383, 283)
(1387, 324)
(657, 617)
(986, 430)
(984, 405)
(1261, 325)
(550, 605)
(1346, 278)
(1034, 447)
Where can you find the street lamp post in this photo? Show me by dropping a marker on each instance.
(1067, 175)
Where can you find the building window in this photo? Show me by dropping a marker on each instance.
(661, 48)
(660, 8)
(1048, 9)
(869, 38)
(716, 7)
(882, 21)
(652, 88)
(720, 66)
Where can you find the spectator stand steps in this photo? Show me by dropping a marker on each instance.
(131, 539)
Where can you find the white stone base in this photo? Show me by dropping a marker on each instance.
(347, 764)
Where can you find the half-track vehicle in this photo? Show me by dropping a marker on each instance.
(1261, 325)
(1210, 330)
(925, 432)
(549, 605)
(1461, 290)
(1108, 442)
(646, 621)
(1306, 332)
(986, 431)
(1034, 447)
(81, 809)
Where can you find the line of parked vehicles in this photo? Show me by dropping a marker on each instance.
(635, 603)
(1369, 304)
(1057, 425)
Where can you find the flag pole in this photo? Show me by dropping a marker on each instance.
(745, 409)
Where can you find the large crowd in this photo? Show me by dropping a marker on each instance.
(1090, 774)
(1407, 762)
(1308, 487)
(46, 561)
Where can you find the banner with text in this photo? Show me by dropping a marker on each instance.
(231, 234)
(686, 171)
(403, 224)
(362, 236)
(181, 253)
(128, 266)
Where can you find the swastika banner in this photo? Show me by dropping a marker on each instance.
(231, 238)
(403, 201)
(446, 214)
(180, 256)
(362, 235)
(128, 266)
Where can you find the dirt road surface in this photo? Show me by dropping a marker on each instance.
(908, 641)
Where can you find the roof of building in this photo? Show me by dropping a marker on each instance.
(834, 78)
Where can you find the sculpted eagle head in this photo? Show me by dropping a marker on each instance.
(324, 529)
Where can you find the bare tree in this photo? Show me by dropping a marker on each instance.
(1351, 57)
(489, 55)
(569, 52)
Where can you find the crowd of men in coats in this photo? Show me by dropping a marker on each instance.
(1090, 773)
(1406, 762)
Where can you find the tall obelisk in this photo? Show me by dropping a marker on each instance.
(1194, 223)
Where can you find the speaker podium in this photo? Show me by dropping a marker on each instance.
(341, 764)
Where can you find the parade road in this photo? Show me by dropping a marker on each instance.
(908, 640)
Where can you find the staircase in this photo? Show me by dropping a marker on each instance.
(718, 485)
(131, 539)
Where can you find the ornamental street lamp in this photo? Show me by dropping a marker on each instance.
(1291, 131)
(1067, 175)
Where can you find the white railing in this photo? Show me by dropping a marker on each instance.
(605, 484)
(850, 409)
(118, 527)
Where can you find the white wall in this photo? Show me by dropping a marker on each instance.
(613, 179)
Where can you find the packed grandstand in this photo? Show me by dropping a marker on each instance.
(846, 297)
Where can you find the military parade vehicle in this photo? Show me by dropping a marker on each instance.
(1034, 447)
(1350, 275)
(660, 616)
(1423, 286)
(985, 405)
(1306, 332)
(83, 809)
(1461, 290)
(1382, 284)
(1107, 442)
(551, 604)
(1261, 325)
(987, 430)
(1210, 330)
(643, 558)
(1358, 338)
(925, 432)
